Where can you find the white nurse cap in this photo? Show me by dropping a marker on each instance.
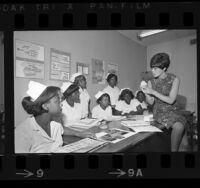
(35, 89)
(73, 77)
(99, 94)
(65, 86)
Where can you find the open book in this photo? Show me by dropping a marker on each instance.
(84, 145)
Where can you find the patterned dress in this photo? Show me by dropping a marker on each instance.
(164, 113)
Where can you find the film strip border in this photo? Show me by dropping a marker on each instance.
(93, 16)
(131, 166)
(98, 16)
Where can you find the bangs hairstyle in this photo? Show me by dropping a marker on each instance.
(76, 81)
(139, 92)
(71, 89)
(160, 60)
(35, 107)
(126, 91)
(110, 76)
(100, 98)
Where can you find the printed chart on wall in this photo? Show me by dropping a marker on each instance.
(112, 68)
(98, 71)
(60, 65)
(29, 60)
(83, 69)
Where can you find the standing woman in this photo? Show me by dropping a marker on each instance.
(80, 81)
(112, 89)
(162, 90)
(72, 110)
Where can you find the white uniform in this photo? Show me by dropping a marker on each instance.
(84, 100)
(100, 113)
(143, 104)
(31, 138)
(126, 108)
(71, 114)
(113, 93)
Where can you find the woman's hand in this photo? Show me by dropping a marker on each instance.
(148, 90)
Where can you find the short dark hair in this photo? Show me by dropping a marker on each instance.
(140, 92)
(160, 60)
(110, 76)
(77, 79)
(71, 89)
(104, 95)
(35, 107)
(126, 91)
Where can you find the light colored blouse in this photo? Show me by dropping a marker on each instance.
(31, 138)
(100, 113)
(113, 93)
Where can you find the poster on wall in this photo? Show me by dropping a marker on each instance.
(98, 71)
(29, 50)
(27, 69)
(82, 68)
(29, 60)
(60, 65)
(112, 68)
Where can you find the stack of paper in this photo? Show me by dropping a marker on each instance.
(118, 118)
(84, 124)
(133, 123)
(149, 128)
(148, 117)
(140, 126)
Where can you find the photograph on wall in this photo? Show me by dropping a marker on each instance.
(60, 65)
(112, 68)
(98, 71)
(2, 97)
(82, 68)
(29, 58)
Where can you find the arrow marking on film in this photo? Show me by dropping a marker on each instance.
(119, 173)
(26, 174)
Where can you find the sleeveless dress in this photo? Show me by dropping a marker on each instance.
(164, 113)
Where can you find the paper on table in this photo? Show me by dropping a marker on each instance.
(84, 124)
(129, 123)
(145, 128)
(114, 135)
(118, 118)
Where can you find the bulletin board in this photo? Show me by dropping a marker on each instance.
(29, 60)
(60, 65)
(98, 71)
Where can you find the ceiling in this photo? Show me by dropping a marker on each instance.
(157, 38)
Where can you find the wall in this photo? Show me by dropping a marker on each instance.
(183, 63)
(109, 46)
(1, 72)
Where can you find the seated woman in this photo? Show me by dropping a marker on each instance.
(40, 133)
(103, 110)
(112, 89)
(72, 109)
(141, 101)
(162, 91)
(80, 81)
(126, 104)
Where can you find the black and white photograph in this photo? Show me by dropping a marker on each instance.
(71, 86)
(2, 109)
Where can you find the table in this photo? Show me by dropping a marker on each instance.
(130, 144)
